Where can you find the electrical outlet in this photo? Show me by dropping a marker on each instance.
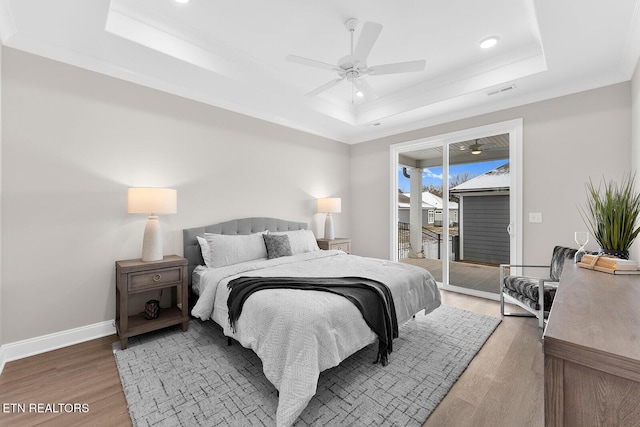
(535, 217)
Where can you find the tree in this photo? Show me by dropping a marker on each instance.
(459, 178)
(454, 180)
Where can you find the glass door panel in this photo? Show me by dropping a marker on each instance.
(420, 215)
(479, 213)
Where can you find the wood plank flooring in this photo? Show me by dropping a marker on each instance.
(503, 385)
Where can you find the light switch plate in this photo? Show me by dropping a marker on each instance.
(535, 217)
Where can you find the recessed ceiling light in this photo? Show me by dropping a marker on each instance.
(182, 1)
(489, 42)
(360, 94)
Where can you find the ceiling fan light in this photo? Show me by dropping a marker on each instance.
(475, 148)
(489, 42)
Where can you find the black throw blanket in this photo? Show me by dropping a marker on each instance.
(371, 297)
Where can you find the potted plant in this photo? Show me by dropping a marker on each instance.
(611, 214)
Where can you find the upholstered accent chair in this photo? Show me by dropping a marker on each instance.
(533, 294)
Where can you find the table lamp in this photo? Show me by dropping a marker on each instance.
(152, 201)
(329, 205)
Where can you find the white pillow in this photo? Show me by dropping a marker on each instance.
(196, 277)
(301, 240)
(206, 252)
(227, 249)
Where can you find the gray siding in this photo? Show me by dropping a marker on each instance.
(403, 216)
(484, 229)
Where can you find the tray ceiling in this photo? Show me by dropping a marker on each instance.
(232, 54)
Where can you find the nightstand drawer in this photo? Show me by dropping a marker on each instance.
(342, 246)
(339, 243)
(153, 279)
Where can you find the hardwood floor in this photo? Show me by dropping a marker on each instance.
(84, 373)
(503, 385)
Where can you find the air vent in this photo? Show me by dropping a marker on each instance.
(501, 90)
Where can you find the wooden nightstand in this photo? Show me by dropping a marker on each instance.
(342, 243)
(136, 276)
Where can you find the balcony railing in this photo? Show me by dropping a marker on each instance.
(432, 243)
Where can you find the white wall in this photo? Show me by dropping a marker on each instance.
(635, 145)
(1, 173)
(565, 141)
(74, 141)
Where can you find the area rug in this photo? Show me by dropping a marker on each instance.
(175, 378)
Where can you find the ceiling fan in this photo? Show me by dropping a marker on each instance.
(353, 67)
(476, 148)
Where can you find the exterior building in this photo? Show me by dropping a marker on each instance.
(484, 217)
(431, 209)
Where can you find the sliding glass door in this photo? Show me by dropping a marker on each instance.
(479, 190)
(456, 205)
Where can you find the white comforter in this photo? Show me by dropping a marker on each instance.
(298, 334)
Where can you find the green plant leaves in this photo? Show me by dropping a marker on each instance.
(612, 211)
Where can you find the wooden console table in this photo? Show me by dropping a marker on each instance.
(592, 350)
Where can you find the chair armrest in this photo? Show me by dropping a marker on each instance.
(508, 266)
(524, 265)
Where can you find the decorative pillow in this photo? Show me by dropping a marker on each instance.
(229, 249)
(277, 245)
(301, 240)
(206, 252)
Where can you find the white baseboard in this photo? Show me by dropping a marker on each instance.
(32, 346)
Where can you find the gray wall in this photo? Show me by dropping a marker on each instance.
(635, 137)
(566, 140)
(74, 141)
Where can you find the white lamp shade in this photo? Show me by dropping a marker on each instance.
(145, 200)
(330, 205)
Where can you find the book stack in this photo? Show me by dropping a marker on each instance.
(608, 264)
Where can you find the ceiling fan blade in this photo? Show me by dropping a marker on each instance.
(325, 87)
(310, 62)
(368, 36)
(400, 67)
(366, 89)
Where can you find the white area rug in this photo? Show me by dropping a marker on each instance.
(175, 378)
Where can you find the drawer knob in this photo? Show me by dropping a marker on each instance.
(157, 277)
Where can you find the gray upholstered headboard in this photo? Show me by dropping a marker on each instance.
(237, 226)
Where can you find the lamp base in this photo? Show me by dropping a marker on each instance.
(152, 241)
(328, 227)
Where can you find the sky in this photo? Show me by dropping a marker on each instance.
(433, 176)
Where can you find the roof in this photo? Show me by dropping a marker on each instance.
(495, 179)
(429, 201)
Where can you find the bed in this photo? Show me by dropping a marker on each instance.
(296, 333)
